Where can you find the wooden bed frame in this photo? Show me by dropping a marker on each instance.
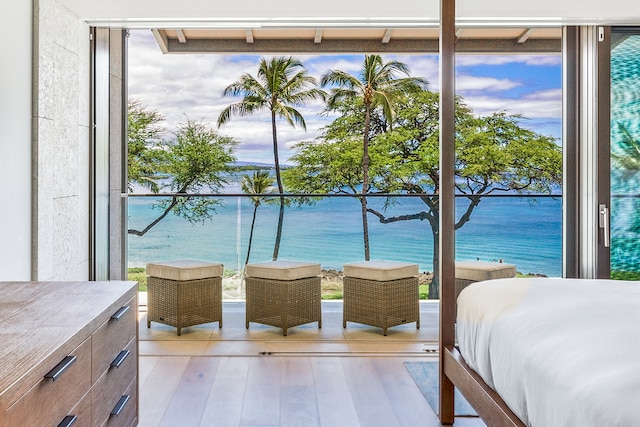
(487, 403)
(454, 371)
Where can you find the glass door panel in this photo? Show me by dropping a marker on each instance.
(625, 154)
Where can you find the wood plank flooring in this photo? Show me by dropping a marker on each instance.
(332, 391)
(239, 377)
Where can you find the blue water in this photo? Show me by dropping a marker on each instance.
(516, 230)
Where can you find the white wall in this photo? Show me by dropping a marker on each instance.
(550, 11)
(44, 143)
(15, 141)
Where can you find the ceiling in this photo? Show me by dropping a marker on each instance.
(355, 39)
(257, 26)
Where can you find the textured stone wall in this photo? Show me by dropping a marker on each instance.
(60, 226)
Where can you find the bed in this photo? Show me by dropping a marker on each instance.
(549, 352)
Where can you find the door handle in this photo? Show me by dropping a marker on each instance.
(603, 215)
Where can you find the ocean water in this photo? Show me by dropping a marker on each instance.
(518, 230)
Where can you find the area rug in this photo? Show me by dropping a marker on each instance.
(425, 375)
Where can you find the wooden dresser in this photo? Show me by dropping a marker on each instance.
(68, 354)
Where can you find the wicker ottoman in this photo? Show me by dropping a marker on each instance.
(283, 294)
(381, 294)
(468, 272)
(184, 293)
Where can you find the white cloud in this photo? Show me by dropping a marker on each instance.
(464, 60)
(192, 85)
(543, 104)
(472, 83)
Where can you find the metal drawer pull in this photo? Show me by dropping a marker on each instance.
(60, 368)
(68, 421)
(118, 314)
(120, 405)
(120, 358)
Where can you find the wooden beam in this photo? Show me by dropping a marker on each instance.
(487, 403)
(387, 36)
(395, 45)
(249, 36)
(446, 262)
(181, 37)
(161, 39)
(525, 35)
(318, 38)
(459, 32)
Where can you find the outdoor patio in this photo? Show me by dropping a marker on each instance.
(233, 339)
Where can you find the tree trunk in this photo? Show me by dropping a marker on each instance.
(253, 223)
(434, 288)
(365, 181)
(276, 160)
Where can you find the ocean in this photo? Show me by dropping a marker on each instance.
(518, 230)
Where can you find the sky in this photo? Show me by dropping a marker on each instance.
(181, 86)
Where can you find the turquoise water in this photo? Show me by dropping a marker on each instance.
(517, 230)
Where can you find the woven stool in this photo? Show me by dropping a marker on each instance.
(381, 294)
(283, 294)
(184, 293)
(468, 272)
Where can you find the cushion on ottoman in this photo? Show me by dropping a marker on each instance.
(283, 270)
(182, 270)
(483, 270)
(380, 270)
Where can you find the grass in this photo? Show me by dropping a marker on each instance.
(424, 291)
(625, 275)
(138, 274)
(331, 290)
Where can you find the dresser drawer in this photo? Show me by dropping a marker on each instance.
(129, 411)
(111, 337)
(80, 415)
(112, 384)
(49, 401)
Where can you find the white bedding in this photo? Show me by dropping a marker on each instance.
(560, 352)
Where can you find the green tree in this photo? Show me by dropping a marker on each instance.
(144, 132)
(198, 158)
(257, 184)
(626, 154)
(494, 154)
(377, 85)
(281, 84)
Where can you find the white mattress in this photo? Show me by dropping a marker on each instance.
(560, 352)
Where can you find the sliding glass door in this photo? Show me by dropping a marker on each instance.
(624, 218)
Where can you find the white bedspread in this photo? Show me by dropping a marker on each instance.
(560, 352)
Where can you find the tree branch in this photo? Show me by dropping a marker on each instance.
(174, 201)
(384, 220)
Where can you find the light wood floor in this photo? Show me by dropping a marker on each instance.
(313, 377)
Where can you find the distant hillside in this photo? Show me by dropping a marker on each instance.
(255, 165)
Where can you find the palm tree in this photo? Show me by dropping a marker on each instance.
(257, 184)
(377, 86)
(281, 84)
